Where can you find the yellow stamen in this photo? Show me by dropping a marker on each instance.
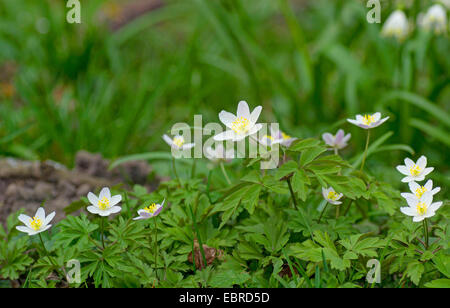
(151, 208)
(240, 125)
(420, 191)
(285, 136)
(103, 204)
(35, 223)
(415, 171)
(178, 141)
(332, 195)
(368, 119)
(421, 208)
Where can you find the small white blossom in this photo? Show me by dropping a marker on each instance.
(339, 141)
(150, 211)
(104, 204)
(219, 154)
(178, 142)
(277, 137)
(414, 171)
(241, 125)
(331, 196)
(396, 26)
(418, 191)
(36, 224)
(435, 19)
(368, 121)
(421, 208)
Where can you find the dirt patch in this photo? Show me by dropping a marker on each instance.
(25, 184)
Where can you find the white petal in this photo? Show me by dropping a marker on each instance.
(427, 171)
(23, 229)
(376, 116)
(105, 193)
(409, 163)
(408, 211)
(243, 110)
(435, 206)
(226, 135)
(255, 114)
(188, 146)
(25, 219)
(328, 138)
(168, 140)
(413, 186)
(428, 185)
(93, 209)
(49, 218)
(92, 199)
(422, 162)
(40, 214)
(115, 199)
(403, 169)
(227, 118)
(115, 209)
(418, 218)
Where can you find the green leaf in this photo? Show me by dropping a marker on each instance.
(439, 284)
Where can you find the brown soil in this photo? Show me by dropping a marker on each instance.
(25, 184)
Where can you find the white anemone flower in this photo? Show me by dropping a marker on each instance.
(435, 19)
(36, 224)
(277, 137)
(414, 171)
(104, 204)
(219, 154)
(421, 208)
(331, 196)
(178, 142)
(337, 142)
(368, 121)
(417, 191)
(396, 26)
(150, 211)
(241, 125)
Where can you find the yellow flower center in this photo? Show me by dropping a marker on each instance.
(421, 208)
(285, 136)
(368, 119)
(103, 204)
(35, 223)
(415, 170)
(332, 195)
(240, 125)
(178, 141)
(420, 191)
(151, 208)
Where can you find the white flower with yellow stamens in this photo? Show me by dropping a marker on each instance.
(338, 142)
(368, 121)
(417, 191)
(36, 224)
(331, 196)
(414, 171)
(104, 204)
(178, 142)
(276, 137)
(435, 19)
(150, 211)
(396, 26)
(421, 208)
(241, 125)
(219, 154)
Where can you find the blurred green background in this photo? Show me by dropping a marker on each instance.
(114, 84)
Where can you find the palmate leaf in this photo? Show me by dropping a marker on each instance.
(359, 245)
(414, 271)
(13, 258)
(75, 230)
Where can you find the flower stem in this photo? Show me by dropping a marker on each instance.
(323, 211)
(365, 151)
(156, 245)
(222, 166)
(175, 171)
(337, 211)
(425, 232)
(198, 238)
(194, 163)
(48, 254)
(288, 180)
(103, 231)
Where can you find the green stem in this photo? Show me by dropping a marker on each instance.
(194, 163)
(175, 171)
(198, 238)
(225, 173)
(425, 232)
(103, 231)
(48, 254)
(288, 180)
(323, 211)
(365, 151)
(348, 207)
(156, 246)
(337, 211)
